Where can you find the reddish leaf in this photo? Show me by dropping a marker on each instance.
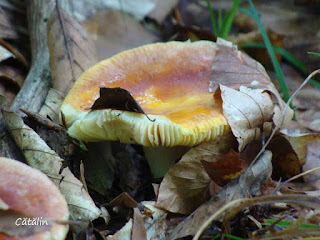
(225, 169)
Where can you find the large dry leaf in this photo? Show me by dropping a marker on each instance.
(250, 102)
(313, 161)
(40, 156)
(71, 52)
(186, 185)
(154, 224)
(250, 182)
(122, 32)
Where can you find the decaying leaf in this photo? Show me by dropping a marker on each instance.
(155, 224)
(299, 143)
(123, 32)
(40, 156)
(186, 185)
(6, 28)
(52, 105)
(285, 160)
(313, 161)
(308, 103)
(247, 112)
(119, 99)
(224, 169)
(255, 103)
(138, 230)
(11, 224)
(250, 182)
(71, 52)
(125, 200)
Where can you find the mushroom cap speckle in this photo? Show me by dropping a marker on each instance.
(31, 192)
(169, 80)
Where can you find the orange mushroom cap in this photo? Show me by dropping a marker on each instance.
(170, 81)
(30, 192)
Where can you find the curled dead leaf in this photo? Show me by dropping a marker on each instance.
(186, 185)
(250, 101)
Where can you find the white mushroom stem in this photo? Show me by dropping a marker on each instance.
(161, 158)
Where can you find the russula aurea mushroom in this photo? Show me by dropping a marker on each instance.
(31, 193)
(170, 81)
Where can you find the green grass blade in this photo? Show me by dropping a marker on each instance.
(272, 55)
(285, 223)
(220, 18)
(314, 53)
(227, 22)
(212, 18)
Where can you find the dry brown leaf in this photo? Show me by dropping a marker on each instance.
(122, 32)
(40, 156)
(138, 230)
(255, 103)
(308, 103)
(154, 224)
(10, 224)
(313, 161)
(285, 161)
(250, 182)
(6, 29)
(14, 74)
(52, 105)
(224, 169)
(259, 54)
(125, 200)
(71, 52)
(186, 185)
(299, 143)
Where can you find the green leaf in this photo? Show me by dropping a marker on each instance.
(212, 18)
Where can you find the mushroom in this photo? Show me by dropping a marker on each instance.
(31, 193)
(170, 81)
